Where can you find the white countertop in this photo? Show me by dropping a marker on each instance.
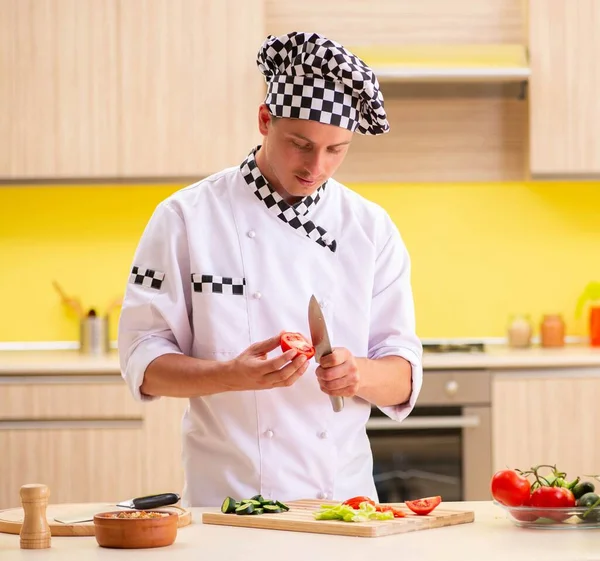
(491, 537)
(495, 357)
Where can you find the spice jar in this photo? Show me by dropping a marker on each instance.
(519, 332)
(552, 331)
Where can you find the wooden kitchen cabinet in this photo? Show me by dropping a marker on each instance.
(190, 87)
(59, 89)
(87, 439)
(546, 417)
(79, 462)
(564, 46)
(136, 89)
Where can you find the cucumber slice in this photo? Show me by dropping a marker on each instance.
(282, 506)
(258, 498)
(245, 508)
(258, 510)
(268, 502)
(228, 506)
(272, 509)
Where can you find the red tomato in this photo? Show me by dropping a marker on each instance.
(395, 511)
(524, 516)
(297, 342)
(354, 502)
(510, 488)
(551, 498)
(423, 506)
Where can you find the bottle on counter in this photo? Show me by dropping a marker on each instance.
(552, 331)
(519, 332)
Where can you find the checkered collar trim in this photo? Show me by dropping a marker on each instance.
(293, 215)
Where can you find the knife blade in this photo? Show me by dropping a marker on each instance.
(321, 343)
(138, 503)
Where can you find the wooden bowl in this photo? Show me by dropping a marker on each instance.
(135, 533)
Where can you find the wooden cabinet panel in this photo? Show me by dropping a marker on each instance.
(135, 89)
(190, 85)
(60, 398)
(163, 445)
(564, 46)
(92, 464)
(452, 133)
(59, 83)
(391, 22)
(546, 418)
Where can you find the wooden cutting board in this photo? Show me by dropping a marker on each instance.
(300, 519)
(11, 520)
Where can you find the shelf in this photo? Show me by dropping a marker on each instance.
(446, 63)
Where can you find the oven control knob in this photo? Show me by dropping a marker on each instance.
(452, 387)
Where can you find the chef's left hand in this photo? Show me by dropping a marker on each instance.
(338, 373)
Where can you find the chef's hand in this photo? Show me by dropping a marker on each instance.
(338, 373)
(252, 370)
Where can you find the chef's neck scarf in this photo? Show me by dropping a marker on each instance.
(293, 215)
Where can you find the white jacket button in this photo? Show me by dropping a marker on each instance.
(269, 434)
(323, 434)
(257, 295)
(251, 234)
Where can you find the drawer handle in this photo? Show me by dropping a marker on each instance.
(423, 423)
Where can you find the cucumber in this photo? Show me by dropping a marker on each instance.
(271, 509)
(582, 488)
(229, 505)
(245, 508)
(258, 498)
(258, 510)
(590, 500)
(268, 502)
(282, 506)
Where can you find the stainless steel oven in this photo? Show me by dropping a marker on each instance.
(443, 447)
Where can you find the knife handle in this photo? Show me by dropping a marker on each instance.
(337, 403)
(154, 501)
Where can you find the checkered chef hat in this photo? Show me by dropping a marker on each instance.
(311, 77)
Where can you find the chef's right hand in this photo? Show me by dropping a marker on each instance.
(252, 370)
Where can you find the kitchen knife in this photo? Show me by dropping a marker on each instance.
(139, 503)
(151, 501)
(320, 341)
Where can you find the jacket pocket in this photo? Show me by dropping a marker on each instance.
(220, 314)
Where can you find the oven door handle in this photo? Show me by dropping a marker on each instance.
(423, 423)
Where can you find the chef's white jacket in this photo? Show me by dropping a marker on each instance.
(285, 443)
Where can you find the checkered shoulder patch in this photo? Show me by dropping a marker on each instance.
(219, 285)
(149, 278)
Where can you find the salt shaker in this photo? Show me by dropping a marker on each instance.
(35, 531)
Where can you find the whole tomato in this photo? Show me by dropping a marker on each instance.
(551, 498)
(510, 488)
(524, 515)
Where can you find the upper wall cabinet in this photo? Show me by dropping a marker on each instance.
(138, 89)
(59, 88)
(565, 87)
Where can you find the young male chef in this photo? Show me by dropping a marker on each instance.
(227, 264)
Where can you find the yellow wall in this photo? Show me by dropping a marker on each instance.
(480, 251)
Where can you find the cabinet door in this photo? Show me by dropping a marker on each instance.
(80, 461)
(546, 418)
(59, 88)
(564, 48)
(190, 87)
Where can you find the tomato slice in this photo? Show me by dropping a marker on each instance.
(354, 502)
(423, 506)
(395, 511)
(296, 341)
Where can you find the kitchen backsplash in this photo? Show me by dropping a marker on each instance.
(480, 252)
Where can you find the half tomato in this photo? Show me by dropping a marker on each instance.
(423, 506)
(296, 341)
